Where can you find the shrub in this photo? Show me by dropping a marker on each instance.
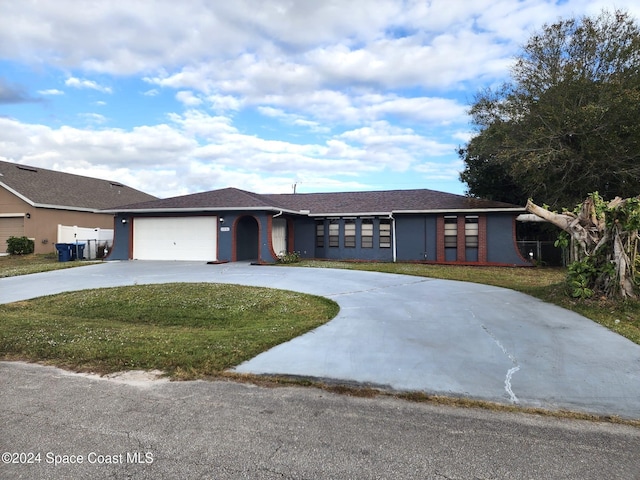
(290, 257)
(20, 245)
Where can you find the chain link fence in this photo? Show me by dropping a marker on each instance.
(542, 252)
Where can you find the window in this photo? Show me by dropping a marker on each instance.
(450, 232)
(385, 233)
(349, 233)
(334, 233)
(471, 232)
(320, 234)
(366, 230)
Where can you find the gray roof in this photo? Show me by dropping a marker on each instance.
(48, 188)
(341, 203)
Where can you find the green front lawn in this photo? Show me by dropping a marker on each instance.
(14, 265)
(186, 330)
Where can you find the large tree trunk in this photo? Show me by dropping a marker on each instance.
(603, 243)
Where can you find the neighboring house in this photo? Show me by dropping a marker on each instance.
(399, 225)
(34, 201)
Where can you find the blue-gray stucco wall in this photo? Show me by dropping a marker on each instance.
(416, 238)
(375, 253)
(501, 242)
(304, 235)
(226, 221)
(120, 248)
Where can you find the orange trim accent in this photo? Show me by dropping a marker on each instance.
(270, 236)
(130, 223)
(514, 236)
(461, 240)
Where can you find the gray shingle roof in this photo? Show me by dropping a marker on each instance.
(343, 203)
(384, 201)
(42, 187)
(224, 198)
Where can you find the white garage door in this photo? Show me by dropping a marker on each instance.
(10, 227)
(176, 238)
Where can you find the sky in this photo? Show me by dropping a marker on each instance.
(272, 96)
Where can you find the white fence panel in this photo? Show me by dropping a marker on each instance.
(96, 240)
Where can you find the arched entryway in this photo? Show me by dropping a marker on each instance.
(247, 238)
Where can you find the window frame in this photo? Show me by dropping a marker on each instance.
(450, 225)
(366, 234)
(384, 235)
(471, 231)
(320, 231)
(334, 233)
(349, 233)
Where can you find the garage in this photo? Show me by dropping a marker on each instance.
(175, 238)
(10, 227)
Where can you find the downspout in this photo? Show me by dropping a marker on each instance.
(277, 214)
(393, 237)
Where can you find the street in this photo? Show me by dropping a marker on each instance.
(77, 426)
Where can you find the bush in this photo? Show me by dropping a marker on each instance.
(20, 246)
(291, 257)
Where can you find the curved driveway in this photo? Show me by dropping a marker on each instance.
(412, 334)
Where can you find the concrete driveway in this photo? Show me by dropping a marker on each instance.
(408, 333)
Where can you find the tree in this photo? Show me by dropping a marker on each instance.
(568, 122)
(603, 239)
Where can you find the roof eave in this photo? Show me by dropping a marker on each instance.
(462, 210)
(198, 210)
(67, 207)
(350, 214)
(432, 210)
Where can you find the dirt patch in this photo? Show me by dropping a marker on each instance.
(136, 378)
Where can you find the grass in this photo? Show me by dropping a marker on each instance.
(186, 330)
(545, 283)
(14, 265)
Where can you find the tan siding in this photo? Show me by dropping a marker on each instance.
(9, 203)
(10, 227)
(43, 225)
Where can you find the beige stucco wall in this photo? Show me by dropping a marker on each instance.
(9, 203)
(43, 223)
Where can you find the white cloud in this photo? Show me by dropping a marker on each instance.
(51, 91)
(93, 118)
(140, 147)
(224, 103)
(188, 99)
(394, 147)
(362, 86)
(196, 142)
(89, 84)
(122, 37)
(447, 171)
(293, 119)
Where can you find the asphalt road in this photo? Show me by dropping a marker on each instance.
(226, 430)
